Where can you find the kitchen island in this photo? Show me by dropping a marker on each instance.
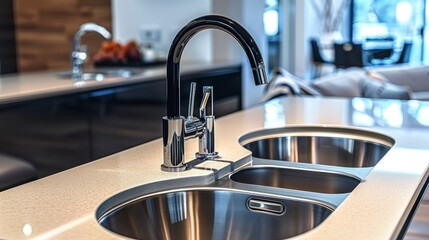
(64, 205)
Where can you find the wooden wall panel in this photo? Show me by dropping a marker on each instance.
(7, 38)
(45, 28)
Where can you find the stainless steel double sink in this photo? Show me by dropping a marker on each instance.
(297, 178)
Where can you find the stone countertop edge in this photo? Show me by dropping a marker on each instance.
(35, 85)
(63, 206)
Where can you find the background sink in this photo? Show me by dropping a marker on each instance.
(319, 145)
(100, 75)
(298, 179)
(213, 214)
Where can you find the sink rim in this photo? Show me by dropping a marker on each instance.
(308, 169)
(104, 219)
(340, 174)
(100, 74)
(318, 131)
(101, 214)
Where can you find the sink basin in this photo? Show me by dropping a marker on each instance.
(298, 179)
(213, 213)
(319, 145)
(100, 75)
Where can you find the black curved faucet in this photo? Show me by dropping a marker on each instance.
(173, 123)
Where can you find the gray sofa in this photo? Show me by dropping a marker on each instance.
(416, 78)
(399, 82)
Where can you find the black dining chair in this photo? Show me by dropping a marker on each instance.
(317, 58)
(399, 57)
(349, 55)
(404, 57)
(380, 39)
(379, 47)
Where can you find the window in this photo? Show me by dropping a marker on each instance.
(399, 20)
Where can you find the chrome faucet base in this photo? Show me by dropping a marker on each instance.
(206, 141)
(173, 169)
(174, 143)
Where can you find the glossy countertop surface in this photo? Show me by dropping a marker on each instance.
(34, 85)
(63, 206)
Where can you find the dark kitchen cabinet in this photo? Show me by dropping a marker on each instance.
(52, 134)
(7, 38)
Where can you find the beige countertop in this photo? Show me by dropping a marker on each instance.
(63, 205)
(35, 85)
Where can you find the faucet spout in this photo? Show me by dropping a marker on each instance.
(175, 128)
(79, 54)
(182, 38)
(89, 27)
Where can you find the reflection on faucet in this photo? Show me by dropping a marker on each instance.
(174, 126)
(79, 52)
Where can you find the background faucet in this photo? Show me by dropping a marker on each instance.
(79, 53)
(174, 124)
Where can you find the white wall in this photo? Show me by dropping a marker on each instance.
(230, 48)
(287, 22)
(248, 13)
(169, 16)
(300, 23)
(253, 21)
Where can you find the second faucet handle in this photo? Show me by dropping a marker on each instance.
(191, 100)
(207, 94)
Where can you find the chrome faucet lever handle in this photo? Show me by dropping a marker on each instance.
(207, 93)
(191, 99)
(210, 88)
